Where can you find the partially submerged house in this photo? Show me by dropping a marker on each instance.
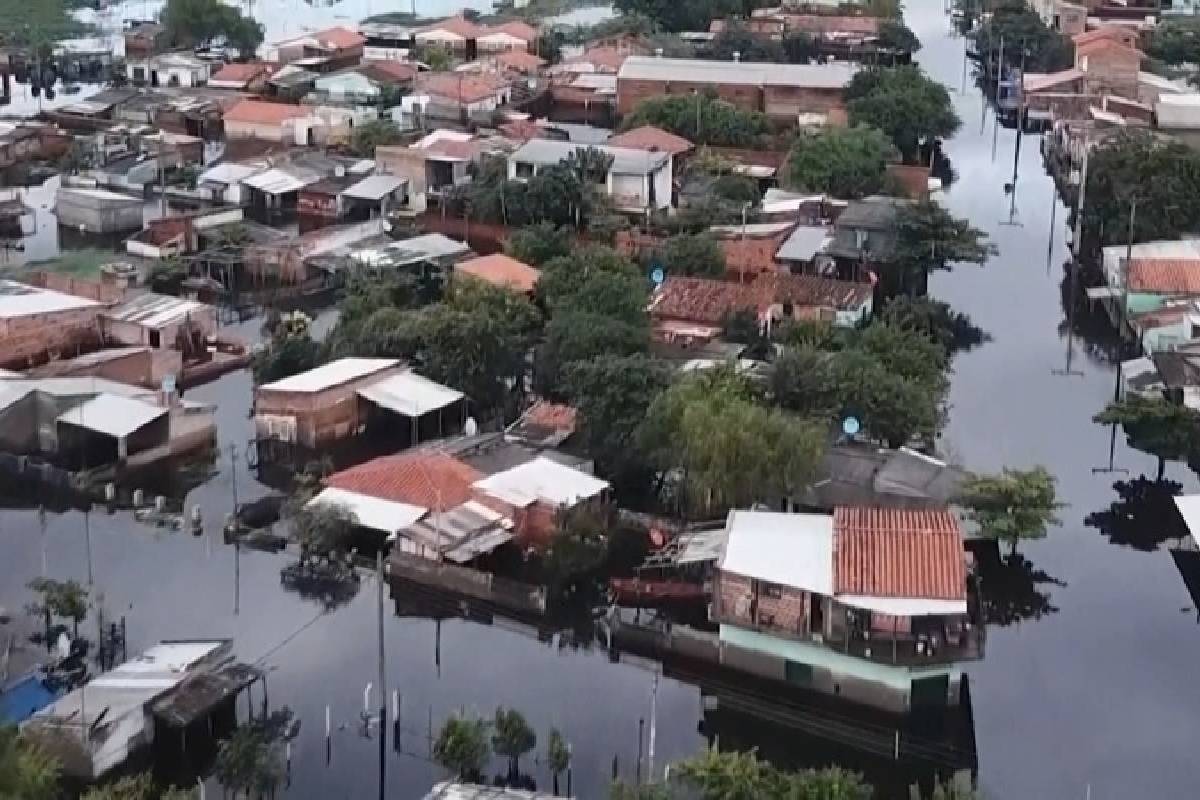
(431, 166)
(160, 322)
(97, 210)
(37, 323)
(870, 604)
(324, 50)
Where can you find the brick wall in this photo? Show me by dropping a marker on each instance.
(631, 92)
(782, 608)
(785, 102)
(80, 287)
(30, 339)
(1110, 70)
(324, 416)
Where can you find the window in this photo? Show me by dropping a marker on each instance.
(772, 590)
(524, 170)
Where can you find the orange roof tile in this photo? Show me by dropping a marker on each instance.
(389, 71)
(457, 25)
(605, 59)
(339, 38)
(501, 270)
(520, 60)
(885, 552)
(705, 300)
(261, 113)
(553, 416)
(1097, 45)
(648, 137)
(751, 254)
(515, 28)
(811, 290)
(1164, 275)
(426, 478)
(459, 86)
(242, 73)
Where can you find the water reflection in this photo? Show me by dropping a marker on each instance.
(1144, 516)
(1012, 588)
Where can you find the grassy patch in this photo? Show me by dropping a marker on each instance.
(78, 263)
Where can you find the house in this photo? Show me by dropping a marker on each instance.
(159, 321)
(517, 62)
(1148, 276)
(101, 105)
(94, 729)
(654, 140)
(291, 83)
(367, 84)
(456, 34)
(35, 322)
(458, 95)
(1109, 66)
(145, 39)
(248, 77)
(600, 60)
(97, 210)
(501, 270)
(638, 181)
(437, 162)
(544, 424)
(783, 92)
(169, 69)
(864, 234)
(344, 397)
(803, 251)
(275, 122)
(532, 494)
(512, 35)
(856, 473)
(1069, 19)
(750, 249)
(325, 50)
(428, 250)
(693, 310)
(870, 604)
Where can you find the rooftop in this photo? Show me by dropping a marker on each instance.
(1164, 275)
(112, 415)
(425, 477)
(257, 112)
(626, 161)
(21, 300)
(459, 86)
(545, 424)
(152, 310)
(881, 552)
(386, 516)
(834, 75)
(542, 479)
(240, 74)
(501, 270)
(410, 394)
(789, 549)
(709, 300)
(648, 137)
(335, 373)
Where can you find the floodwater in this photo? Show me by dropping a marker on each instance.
(1100, 694)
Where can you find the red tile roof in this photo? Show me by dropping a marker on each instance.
(705, 300)
(811, 290)
(1164, 275)
(885, 552)
(515, 28)
(458, 25)
(752, 254)
(520, 60)
(1113, 45)
(521, 129)
(459, 86)
(242, 73)
(340, 38)
(648, 137)
(389, 71)
(501, 270)
(605, 59)
(260, 113)
(426, 478)
(554, 416)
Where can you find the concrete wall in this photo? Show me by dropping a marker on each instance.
(97, 216)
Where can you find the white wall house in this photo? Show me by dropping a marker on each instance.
(169, 69)
(348, 86)
(637, 181)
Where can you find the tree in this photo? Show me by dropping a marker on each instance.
(904, 103)
(194, 23)
(284, 357)
(730, 451)
(462, 747)
(1175, 41)
(1166, 430)
(437, 58)
(63, 599)
(701, 119)
(512, 737)
(691, 16)
(250, 762)
(564, 277)
(558, 756)
(748, 46)
(536, 244)
(800, 380)
(718, 775)
(800, 48)
(928, 237)
(372, 134)
(894, 35)
(697, 254)
(573, 559)
(1012, 506)
(844, 162)
(27, 771)
(323, 530)
(136, 787)
(891, 408)
(957, 788)
(612, 394)
(1164, 176)
(1046, 49)
(579, 336)
(953, 331)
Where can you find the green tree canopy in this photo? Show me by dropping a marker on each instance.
(558, 755)
(137, 787)
(928, 238)
(582, 335)
(27, 771)
(564, 279)
(512, 737)
(462, 747)
(1166, 430)
(749, 46)
(1011, 506)
(192, 23)
(1164, 176)
(1176, 40)
(844, 162)
(536, 244)
(1047, 50)
(371, 134)
(62, 599)
(904, 103)
(250, 762)
(898, 37)
(702, 119)
(322, 530)
(953, 331)
(577, 552)
(691, 16)
(698, 254)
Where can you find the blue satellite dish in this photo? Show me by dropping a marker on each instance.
(850, 426)
(658, 276)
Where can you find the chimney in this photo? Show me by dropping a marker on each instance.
(737, 56)
(658, 51)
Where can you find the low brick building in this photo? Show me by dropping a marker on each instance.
(38, 324)
(781, 91)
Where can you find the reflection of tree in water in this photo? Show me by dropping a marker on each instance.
(1088, 322)
(1144, 516)
(1012, 589)
(331, 584)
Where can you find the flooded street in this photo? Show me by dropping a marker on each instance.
(1102, 693)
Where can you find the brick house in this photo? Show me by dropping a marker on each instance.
(1109, 66)
(781, 91)
(37, 323)
(844, 601)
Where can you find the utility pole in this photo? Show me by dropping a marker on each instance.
(382, 679)
(1076, 248)
(237, 532)
(653, 728)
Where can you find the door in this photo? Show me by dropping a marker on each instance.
(798, 674)
(930, 692)
(816, 614)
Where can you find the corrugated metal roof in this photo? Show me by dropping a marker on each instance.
(410, 394)
(693, 70)
(626, 161)
(789, 549)
(804, 243)
(112, 415)
(22, 300)
(332, 374)
(277, 181)
(542, 479)
(375, 187)
(156, 310)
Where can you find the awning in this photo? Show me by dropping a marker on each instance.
(276, 181)
(410, 394)
(112, 415)
(904, 606)
(462, 533)
(1102, 292)
(385, 516)
(374, 188)
(1189, 509)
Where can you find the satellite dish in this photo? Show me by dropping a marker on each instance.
(851, 426)
(658, 276)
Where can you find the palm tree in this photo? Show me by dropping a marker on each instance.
(512, 737)
(26, 770)
(558, 755)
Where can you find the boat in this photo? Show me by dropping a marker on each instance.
(655, 591)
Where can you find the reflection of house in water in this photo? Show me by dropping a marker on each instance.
(171, 689)
(1186, 553)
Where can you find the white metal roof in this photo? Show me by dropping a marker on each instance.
(99, 195)
(542, 479)
(277, 181)
(834, 75)
(386, 516)
(1189, 509)
(410, 394)
(332, 374)
(112, 415)
(471, 791)
(789, 549)
(1178, 111)
(375, 187)
(230, 173)
(804, 243)
(22, 300)
(152, 310)
(625, 160)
